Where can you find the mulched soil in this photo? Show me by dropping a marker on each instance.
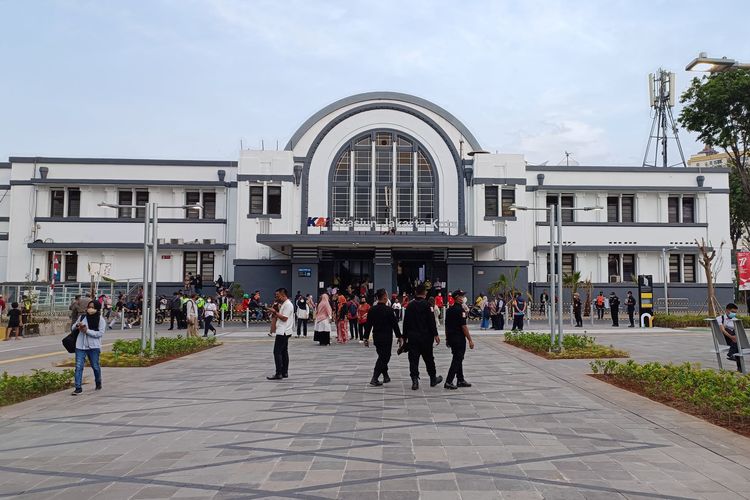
(739, 426)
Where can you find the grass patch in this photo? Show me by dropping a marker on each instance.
(686, 320)
(17, 388)
(574, 346)
(722, 398)
(127, 353)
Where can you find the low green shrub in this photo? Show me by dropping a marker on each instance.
(574, 346)
(127, 353)
(722, 396)
(17, 388)
(686, 320)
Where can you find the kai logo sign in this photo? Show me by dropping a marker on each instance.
(317, 221)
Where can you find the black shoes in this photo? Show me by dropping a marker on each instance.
(98, 387)
(375, 382)
(275, 377)
(386, 378)
(76, 392)
(414, 383)
(435, 380)
(284, 375)
(463, 383)
(450, 386)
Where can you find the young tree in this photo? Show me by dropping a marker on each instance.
(710, 261)
(717, 107)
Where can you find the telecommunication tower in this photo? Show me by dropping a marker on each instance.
(661, 94)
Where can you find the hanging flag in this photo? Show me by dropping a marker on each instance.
(743, 269)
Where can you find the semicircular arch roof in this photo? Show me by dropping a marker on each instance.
(383, 96)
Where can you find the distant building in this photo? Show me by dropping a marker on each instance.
(709, 157)
(379, 189)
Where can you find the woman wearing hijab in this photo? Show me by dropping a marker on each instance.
(90, 328)
(342, 321)
(323, 315)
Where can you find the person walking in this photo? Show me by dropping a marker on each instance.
(15, 322)
(543, 301)
(577, 309)
(599, 302)
(90, 327)
(630, 305)
(323, 317)
(76, 308)
(614, 308)
(200, 303)
(456, 335)
(302, 314)
(363, 312)
(191, 316)
(421, 331)
(382, 322)
(440, 305)
(209, 313)
(396, 306)
(174, 310)
(351, 315)
(284, 329)
(342, 322)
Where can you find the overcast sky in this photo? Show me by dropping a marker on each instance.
(189, 79)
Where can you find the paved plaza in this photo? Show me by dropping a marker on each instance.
(210, 426)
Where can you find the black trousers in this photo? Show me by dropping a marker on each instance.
(495, 321)
(599, 312)
(384, 356)
(517, 322)
(615, 311)
(733, 349)
(281, 354)
(579, 318)
(630, 317)
(208, 325)
(501, 321)
(423, 348)
(458, 348)
(301, 327)
(353, 328)
(174, 315)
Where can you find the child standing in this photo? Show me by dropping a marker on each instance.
(15, 322)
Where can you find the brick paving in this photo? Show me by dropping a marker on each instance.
(210, 426)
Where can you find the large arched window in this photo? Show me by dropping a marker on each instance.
(383, 176)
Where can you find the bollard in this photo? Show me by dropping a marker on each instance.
(647, 316)
(222, 318)
(247, 317)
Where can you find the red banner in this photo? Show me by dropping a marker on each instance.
(743, 268)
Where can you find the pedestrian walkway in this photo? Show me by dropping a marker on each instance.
(210, 426)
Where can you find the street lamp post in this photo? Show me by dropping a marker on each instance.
(713, 64)
(666, 276)
(150, 260)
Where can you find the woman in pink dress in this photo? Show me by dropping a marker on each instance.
(342, 322)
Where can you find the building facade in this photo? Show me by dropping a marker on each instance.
(379, 189)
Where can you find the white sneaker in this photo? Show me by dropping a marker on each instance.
(361, 341)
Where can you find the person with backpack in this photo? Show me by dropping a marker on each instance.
(303, 313)
(351, 315)
(599, 302)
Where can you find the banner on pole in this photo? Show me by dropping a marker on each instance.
(743, 269)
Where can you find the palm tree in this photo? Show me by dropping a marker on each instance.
(572, 281)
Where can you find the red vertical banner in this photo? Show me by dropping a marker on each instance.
(743, 269)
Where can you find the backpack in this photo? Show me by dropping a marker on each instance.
(600, 301)
(352, 311)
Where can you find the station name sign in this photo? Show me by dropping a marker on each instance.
(363, 221)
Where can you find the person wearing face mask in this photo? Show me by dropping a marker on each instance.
(209, 312)
(456, 335)
(90, 327)
(726, 325)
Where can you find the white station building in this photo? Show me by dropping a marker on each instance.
(380, 187)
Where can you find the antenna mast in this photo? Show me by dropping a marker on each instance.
(661, 92)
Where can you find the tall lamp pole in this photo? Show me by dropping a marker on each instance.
(666, 276)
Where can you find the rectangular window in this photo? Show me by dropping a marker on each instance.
(340, 201)
(141, 199)
(568, 264)
(189, 263)
(405, 168)
(274, 200)
(362, 201)
(125, 197)
(628, 267)
(673, 209)
(628, 208)
(509, 198)
(613, 209)
(256, 200)
(70, 266)
(382, 203)
(688, 266)
(405, 203)
(191, 198)
(383, 165)
(688, 209)
(207, 268)
(568, 201)
(362, 166)
(57, 203)
(674, 269)
(490, 201)
(425, 206)
(74, 202)
(613, 267)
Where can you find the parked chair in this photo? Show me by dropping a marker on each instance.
(743, 346)
(720, 342)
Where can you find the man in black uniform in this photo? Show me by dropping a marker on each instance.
(614, 307)
(456, 335)
(420, 331)
(630, 304)
(384, 325)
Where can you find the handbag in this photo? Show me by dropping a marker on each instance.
(69, 341)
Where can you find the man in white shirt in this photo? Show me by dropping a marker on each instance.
(284, 327)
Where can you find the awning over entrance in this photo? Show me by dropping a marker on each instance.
(357, 239)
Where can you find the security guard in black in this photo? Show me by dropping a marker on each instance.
(421, 331)
(456, 334)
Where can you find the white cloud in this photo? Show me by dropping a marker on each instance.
(549, 141)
